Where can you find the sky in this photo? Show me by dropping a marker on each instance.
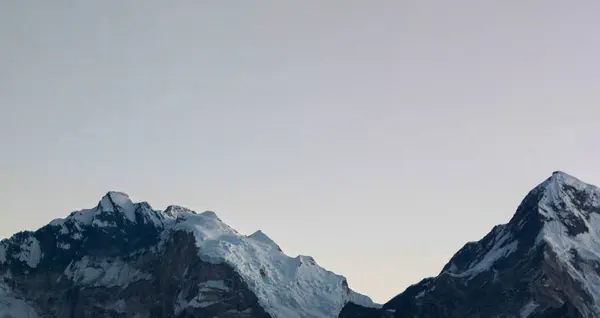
(377, 136)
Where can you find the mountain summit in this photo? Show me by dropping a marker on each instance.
(125, 259)
(545, 262)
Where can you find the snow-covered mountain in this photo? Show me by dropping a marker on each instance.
(544, 263)
(125, 259)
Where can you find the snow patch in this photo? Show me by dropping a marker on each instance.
(206, 296)
(64, 246)
(103, 272)
(119, 306)
(30, 252)
(213, 284)
(492, 256)
(528, 309)
(501, 247)
(174, 211)
(64, 230)
(200, 302)
(85, 216)
(102, 223)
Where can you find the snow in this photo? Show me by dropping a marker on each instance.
(121, 202)
(64, 246)
(528, 309)
(84, 217)
(213, 284)
(260, 237)
(63, 230)
(122, 206)
(30, 252)
(119, 306)
(502, 246)
(103, 272)
(206, 295)
(286, 287)
(103, 223)
(425, 291)
(492, 256)
(13, 306)
(180, 304)
(204, 298)
(173, 211)
(555, 234)
(199, 302)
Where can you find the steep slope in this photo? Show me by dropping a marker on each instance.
(124, 259)
(544, 263)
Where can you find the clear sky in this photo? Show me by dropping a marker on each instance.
(377, 136)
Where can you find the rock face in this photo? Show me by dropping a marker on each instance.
(544, 263)
(124, 259)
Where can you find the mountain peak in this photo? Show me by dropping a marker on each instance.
(260, 236)
(554, 212)
(175, 211)
(560, 177)
(114, 201)
(553, 184)
(560, 173)
(545, 262)
(570, 201)
(562, 198)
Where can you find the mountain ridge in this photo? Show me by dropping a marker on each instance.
(118, 245)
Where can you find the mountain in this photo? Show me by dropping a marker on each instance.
(545, 262)
(125, 259)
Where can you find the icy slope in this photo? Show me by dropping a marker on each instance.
(286, 286)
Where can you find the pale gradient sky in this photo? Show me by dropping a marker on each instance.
(377, 136)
